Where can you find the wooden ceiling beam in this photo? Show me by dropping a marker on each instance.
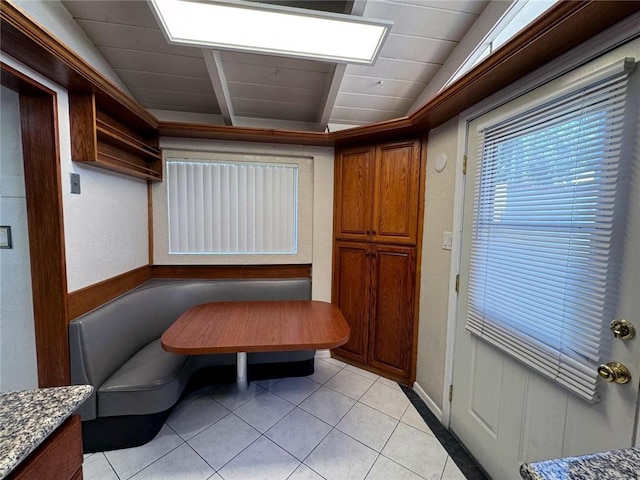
(213, 61)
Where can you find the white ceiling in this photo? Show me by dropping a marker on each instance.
(268, 91)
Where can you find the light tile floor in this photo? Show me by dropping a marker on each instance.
(340, 423)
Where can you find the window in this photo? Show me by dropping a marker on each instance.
(519, 16)
(227, 207)
(239, 204)
(543, 257)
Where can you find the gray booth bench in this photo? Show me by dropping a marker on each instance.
(116, 348)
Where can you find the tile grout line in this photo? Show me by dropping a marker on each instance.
(114, 470)
(437, 430)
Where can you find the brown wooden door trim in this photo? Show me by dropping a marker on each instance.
(39, 122)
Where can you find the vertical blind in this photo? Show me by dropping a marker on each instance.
(543, 262)
(229, 207)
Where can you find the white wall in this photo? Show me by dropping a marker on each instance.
(106, 226)
(322, 224)
(434, 283)
(18, 367)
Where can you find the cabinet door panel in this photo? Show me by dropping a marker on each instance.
(351, 293)
(354, 175)
(397, 183)
(392, 309)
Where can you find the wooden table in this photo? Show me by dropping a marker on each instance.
(241, 327)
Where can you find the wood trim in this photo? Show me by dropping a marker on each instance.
(150, 219)
(29, 43)
(418, 267)
(18, 82)
(244, 134)
(563, 27)
(232, 271)
(86, 299)
(43, 188)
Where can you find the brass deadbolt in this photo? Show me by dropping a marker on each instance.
(614, 372)
(623, 329)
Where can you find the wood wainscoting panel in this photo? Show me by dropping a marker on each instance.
(232, 271)
(86, 299)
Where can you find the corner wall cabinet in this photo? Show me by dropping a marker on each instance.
(100, 139)
(376, 228)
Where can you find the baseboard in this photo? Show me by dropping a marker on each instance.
(431, 405)
(323, 353)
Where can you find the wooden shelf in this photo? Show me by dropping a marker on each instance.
(99, 139)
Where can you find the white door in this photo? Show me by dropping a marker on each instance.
(506, 413)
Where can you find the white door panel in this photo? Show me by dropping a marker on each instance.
(504, 412)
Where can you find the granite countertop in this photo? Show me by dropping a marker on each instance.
(28, 417)
(614, 465)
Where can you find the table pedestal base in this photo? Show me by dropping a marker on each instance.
(241, 371)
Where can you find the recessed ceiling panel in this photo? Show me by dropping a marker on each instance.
(132, 38)
(469, 6)
(166, 82)
(169, 77)
(418, 20)
(139, 61)
(362, 116)
(135, 13)
(178, 101)
(396, 69)
(389, 88)
(275, 110)
(378, 102)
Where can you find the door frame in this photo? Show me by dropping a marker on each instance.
(608, 40)
(43, 188)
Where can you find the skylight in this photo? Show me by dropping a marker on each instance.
(276, 30)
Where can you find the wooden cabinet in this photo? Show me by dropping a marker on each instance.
(352, 290)
(374, 288)
(59, 456)
(377, 211)
(100, 139)
(391, 315)
(377, 193)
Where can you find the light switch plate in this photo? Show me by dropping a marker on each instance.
(5, 237)
(447, 240)
(75, 182)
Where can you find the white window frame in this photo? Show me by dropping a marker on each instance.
(162, 255)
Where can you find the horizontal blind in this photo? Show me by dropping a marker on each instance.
(542, 266)
(239, 208)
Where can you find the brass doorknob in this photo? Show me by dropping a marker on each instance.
(623, 329)
(614, 372)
